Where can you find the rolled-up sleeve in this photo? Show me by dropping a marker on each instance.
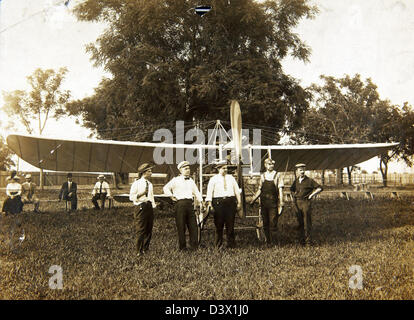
(210, 189)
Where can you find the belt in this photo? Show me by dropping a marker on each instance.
(185, 200)
(143, 203)
(224, 198)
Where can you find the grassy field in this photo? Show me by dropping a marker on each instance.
(96, 253)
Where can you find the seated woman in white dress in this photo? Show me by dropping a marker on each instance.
(13, 204)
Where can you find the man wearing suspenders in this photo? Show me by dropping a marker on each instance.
(271, 193)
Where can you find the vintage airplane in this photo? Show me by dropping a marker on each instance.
(121, 156)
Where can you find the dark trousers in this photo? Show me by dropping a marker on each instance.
(270, 218)
(303, 214)
(143, 220)
(185, 217)
(99, 196)
(224, 215)
(73, 202)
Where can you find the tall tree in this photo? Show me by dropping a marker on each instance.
(6, 161)
(168, 63)
(349, 110)
(44, 100)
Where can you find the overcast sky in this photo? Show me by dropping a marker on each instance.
(369, 37)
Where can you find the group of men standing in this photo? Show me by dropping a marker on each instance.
(223, 200)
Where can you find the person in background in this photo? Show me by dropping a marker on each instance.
(101, 191)
(12, 207)
(28, 193)
(68, 192)
(13, 204)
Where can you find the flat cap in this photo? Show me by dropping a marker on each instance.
(269, 160)
(144, 167)
(183, 164)
(221, 164)
(28, 176)
(300, 165)
(101, 176)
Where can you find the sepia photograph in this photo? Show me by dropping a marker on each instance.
(206, 155)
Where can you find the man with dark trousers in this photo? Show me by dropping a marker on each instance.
(223, 195)
(142, 195)
(68, 192)
(182, 190)
(271, 196)
(304, 189)
(101, 191)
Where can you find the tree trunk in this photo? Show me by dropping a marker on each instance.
(349, 171)
(384, 170)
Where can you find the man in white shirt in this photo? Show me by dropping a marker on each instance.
(182, 189)
(223, 194)
(100, 191)
(142, 195)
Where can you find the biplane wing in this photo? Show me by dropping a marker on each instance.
(319, 157)
(93, 155)
(124, 156)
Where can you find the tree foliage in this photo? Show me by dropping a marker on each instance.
(349, 110)
(45, 99)
(167, 64)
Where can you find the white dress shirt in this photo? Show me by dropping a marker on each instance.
(14, 187)
(138, 187)
(182, 188)
(222, 186)
(105, 188)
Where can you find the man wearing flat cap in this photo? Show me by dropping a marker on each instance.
(223, 194)
(142, 195)
(271, 197)
(183, 191)
(304, 189)
(100, 191)
(28, 193)
(68, 192)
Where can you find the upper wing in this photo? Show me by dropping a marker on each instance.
(93, 155)
(123, 156)
(319, 157)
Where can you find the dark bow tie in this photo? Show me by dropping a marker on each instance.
(186, 178)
